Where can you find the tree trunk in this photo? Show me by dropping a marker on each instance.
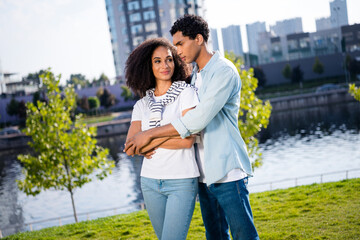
(70, 189)
(73, 205)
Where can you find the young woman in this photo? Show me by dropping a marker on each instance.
(169, 177)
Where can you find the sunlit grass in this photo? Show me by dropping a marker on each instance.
(318, 211)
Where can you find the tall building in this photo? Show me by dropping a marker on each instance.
(232, 42)
(323, 23)
(214, 39)
(253, 31)
(133, 21)
(287, 26)
(339, 15)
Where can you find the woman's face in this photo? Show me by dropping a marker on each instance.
(162, 64)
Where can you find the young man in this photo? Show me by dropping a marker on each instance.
(224, 162)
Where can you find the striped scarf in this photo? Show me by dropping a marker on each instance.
(156, 108)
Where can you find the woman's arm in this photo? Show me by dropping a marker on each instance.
(172, 142)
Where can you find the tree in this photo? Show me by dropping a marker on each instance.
(254, 114)
(103, 80)
(260, 76)
(286, 72)
(318, 67)
(94, 103)
(106, 98)
(84, 103)
(354, 91)
(12, 107)
(78, 80)
(297, 75)
(126, 93)
(65, 152)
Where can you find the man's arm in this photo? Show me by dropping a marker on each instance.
(219, 88)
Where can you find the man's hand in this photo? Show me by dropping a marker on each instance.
(133, 145)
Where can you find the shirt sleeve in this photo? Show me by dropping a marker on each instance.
(188, 98)
(221, 86)
(137, 112)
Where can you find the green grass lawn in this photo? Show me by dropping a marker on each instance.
(318, 211)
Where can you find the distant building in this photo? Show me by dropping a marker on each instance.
(326, 41)
(287, 26)
(323, 23)
(298, 45)
(214, 39)
(232, 41)
(338, 13)
(351, 37)
(133, 21)
(13, 84)
(253, 31)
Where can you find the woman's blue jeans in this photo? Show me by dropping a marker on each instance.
(170, 204)
(227, 204)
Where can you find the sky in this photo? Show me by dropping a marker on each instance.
(72, 36)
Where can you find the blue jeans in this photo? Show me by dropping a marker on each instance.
(170, 204)
(227, 204)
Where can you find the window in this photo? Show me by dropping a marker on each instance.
(136, 29)
(152, 36)
(348, 36)
(133, 6)
(304, 43)
(149, 27)
(120, 7)
(147, 3)
(135, 17)
(137, 40)
(148, 15)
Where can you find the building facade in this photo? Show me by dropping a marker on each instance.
(287, 26)
(133, 21)
(323, 23)
(253, 30)
(214, 41)
(232, 41)
(338, 13)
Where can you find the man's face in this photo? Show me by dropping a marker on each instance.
(188, 49)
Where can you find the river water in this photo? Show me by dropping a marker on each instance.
(297, 143)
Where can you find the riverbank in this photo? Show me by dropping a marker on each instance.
(317, 211)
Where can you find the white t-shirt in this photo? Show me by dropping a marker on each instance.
(233, 175)
(168, 163)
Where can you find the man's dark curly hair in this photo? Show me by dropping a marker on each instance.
(138, 70)
(190, 26)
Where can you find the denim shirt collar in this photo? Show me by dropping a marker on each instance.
(208, 66)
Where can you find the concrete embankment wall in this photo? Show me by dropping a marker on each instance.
(311, 100)
(17, 142)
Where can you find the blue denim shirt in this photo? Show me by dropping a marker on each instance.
(217, 114)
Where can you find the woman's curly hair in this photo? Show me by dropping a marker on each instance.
(138, 70)
(190, 26)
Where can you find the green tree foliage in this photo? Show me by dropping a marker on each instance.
(35, 77)
(12, 107)
(94, 103)
(354, 91)
(254, 114)
(126, 93)
(103, 80)
(286, 72)
(297, 75)
(78, 80)
(318, 67)
(65, 152)
(84, 103)
(106, 98)
(260, 76)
